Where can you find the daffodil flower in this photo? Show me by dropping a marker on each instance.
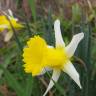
(5, 24)
(40, 57)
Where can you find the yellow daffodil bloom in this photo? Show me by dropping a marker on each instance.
(40, 57)
(5, 24)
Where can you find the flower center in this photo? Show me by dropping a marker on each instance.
(56, 57)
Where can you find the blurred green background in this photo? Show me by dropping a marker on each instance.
(38, 17)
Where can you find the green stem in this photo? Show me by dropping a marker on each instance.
(15, 35)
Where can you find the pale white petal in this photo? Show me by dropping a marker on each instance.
(58, 35)
(71, 71)
(55, 77)
(10, 13)
(16, 19)
(70, 49)
(3, 26)
(11, 16)
(8, 16)
(8, 36)
(50, 46)
(44, 70)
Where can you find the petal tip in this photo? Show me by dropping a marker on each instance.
(82, 34)
(57, 22)
(78, 82)
(79, 85)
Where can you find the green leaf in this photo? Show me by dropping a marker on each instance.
(76, 12)
(6, 63)
(12, 82)
(49, 35)
(33, 9)
(36, 90)
(29, 86)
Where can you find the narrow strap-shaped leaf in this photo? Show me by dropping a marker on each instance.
(12, 82)
(29, 86)
(32, 6)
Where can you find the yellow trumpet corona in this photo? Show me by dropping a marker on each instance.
(38, 55)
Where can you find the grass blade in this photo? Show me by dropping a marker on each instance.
(12, 82)
(29, 86)
(33, 9)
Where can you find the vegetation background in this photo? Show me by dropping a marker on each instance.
(38, 17)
